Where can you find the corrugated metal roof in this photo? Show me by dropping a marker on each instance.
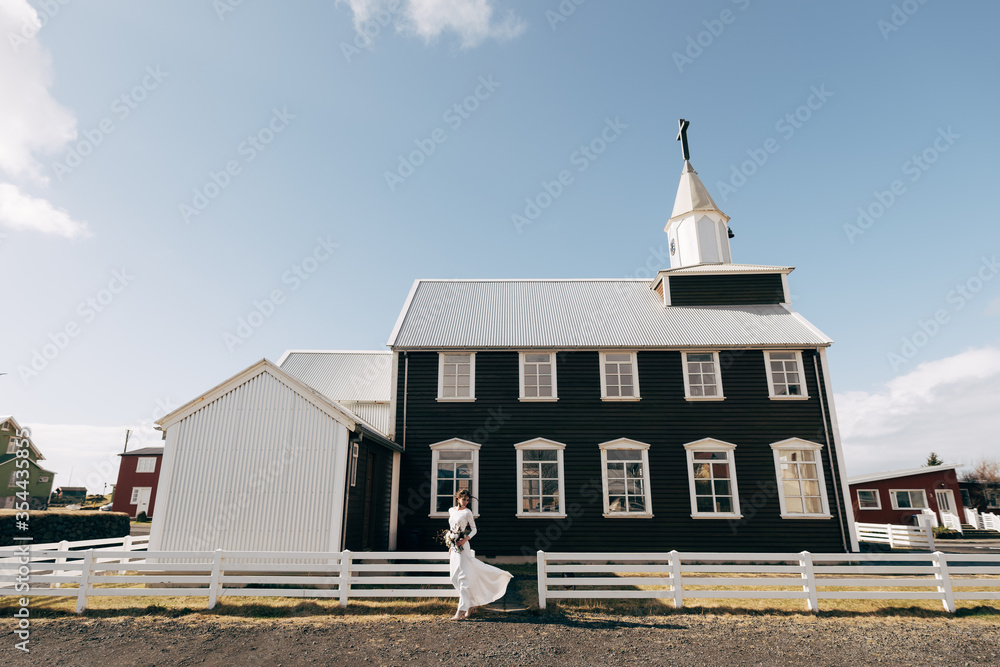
(377, 415)
(584, 313)
(342, 375)
(725, 267)
(145, 451)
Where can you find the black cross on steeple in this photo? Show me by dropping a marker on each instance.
(683, 138)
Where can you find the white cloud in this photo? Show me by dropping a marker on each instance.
(950, 406)
(32, 121)
(473, 21)
(19, 211)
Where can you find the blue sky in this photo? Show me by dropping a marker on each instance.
(165, 168)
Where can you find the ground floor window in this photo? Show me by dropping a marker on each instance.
(908, 499)
(712, 478)
(625, 475)
(868, 499)
(454, 467)
(540, 478)
(801, 487)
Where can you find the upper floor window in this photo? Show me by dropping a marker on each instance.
(540, 478)
(456, 376)
(784, 374)
(619, 376)
(454, 467)
(702, 380)
(712, 479)
(625, 473)
(12, 445)
(801, 487)
(538, 376)
(868, 499)
(908, 499)
(146, 464)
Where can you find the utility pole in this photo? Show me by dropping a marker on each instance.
(128, 432)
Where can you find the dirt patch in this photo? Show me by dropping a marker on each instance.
(496, 639)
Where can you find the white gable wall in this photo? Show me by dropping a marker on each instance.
(260, 468)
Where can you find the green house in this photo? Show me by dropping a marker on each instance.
(12, 482)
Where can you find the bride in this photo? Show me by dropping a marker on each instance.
(477, 582)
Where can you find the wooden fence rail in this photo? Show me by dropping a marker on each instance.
(215, 574)
(798, 576)
(896, 536)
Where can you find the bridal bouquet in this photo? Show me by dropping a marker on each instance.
(452, 536)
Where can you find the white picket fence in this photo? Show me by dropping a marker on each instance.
(972, 518)
(126, 543)
(802, 576)
(951, 521)
(990, 521)
(897, 537)
(215, 574)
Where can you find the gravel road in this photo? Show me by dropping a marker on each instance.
(493, 639)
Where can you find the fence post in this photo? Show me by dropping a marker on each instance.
(214, 582)
(892, 541)
(345, 576)
(944, 581)
(676, 583)
(809, 575)
(81, 596)
(542, 581)
(63, 546)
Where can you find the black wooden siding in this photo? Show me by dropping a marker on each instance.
(726, 290)
(663, 418)
(382, 488)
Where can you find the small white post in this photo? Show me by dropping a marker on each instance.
(892, 541)
(542, 581)
(809, 575)
(345, 576)
(81, 596)
(214, 582)
(63, 546)
(676, 583)
(944, 581)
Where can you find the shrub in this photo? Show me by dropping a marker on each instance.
(48, 526)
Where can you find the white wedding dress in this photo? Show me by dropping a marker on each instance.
(477, 582)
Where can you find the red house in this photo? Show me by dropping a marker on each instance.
(895, 497)
(138, 475)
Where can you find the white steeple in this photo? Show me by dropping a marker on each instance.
(697, 229)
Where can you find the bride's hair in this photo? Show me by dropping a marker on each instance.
(460, 493)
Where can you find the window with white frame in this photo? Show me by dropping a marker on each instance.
(784, 374)
(454, 467)
(12, 445)
(908, 499)
(541, 489)
(13, 478)
(353, 474)
(801, 485)
(625, 474)
(619, 376)
(146, 464)
(538, 376)
(137, 492)
(868, 499)
(5, 426)
(712, 478)
(702, 380)
(456, 376)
